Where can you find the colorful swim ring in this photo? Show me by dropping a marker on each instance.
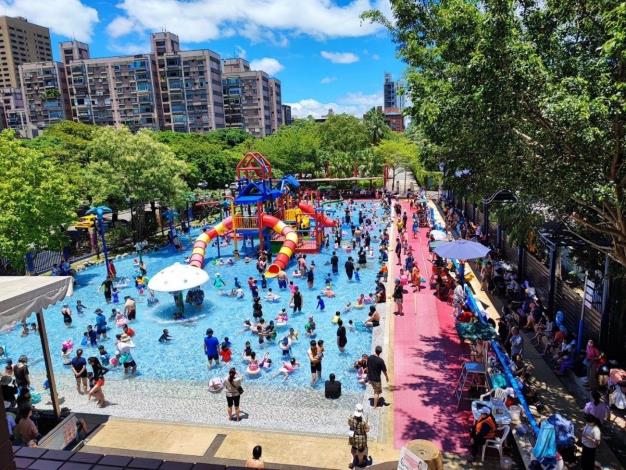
(359, 306)
(113, 361)
(251, 371)
(281, 323)
(276, 299)
(121, 322)
(216, 385)
(67, 344)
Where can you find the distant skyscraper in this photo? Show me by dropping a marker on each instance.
(276, 112)
(20, 42)
(393, 93)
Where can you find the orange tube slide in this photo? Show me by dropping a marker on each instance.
(269, 221)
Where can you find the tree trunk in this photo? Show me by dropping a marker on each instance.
(140, 220)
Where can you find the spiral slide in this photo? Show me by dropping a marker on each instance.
(269, 221)
(319, 217)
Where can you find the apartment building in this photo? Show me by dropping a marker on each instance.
(247, 97)
(189, 85)
(44, 90)
(21, 42)
(393, 93)
(276, 112)
(12, 112)
(286, 114)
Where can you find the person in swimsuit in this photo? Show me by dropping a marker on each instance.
(342, 338)
(316, 362)
(106, 287)
(67, 315)
(98, 381)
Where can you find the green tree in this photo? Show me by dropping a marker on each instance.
(374, 121)
(134, 168)
(343, 133)
(524, 95)
(398, 153)
(36, 202)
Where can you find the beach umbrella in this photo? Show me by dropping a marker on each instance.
(462, 249)
(178, 277)
(438, 235)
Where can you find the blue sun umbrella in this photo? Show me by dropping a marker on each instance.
(462, 249)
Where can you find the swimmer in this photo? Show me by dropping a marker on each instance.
(368, 299)
(288, 368)
(285, 346)
(165, 337)
(296, 273)
(320, 303)
(239, 293)
(247, 259)
(282, 316)
(336, 318)
(225, 352)
(293, 335)
(270, 296)
(152, 300)
(247, 326)
(253, 365)
(351, 327)
(348, 307)
(309, 327)
(247, 351)
(237, 283)
(357, 275)
(266, 362)
(218, 282)
(230, 262)
(328, 281)
(360, 302)
(80, 307)
(328, 292)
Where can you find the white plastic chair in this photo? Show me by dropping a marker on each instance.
(496, 443)
(496, 395)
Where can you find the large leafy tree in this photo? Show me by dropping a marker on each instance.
(524, 95)
(343, 133)
(374, 121)
(36, 202)
(398, 153)
(135, 169)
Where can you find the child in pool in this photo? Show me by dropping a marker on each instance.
(320, 303)
(282, 316)
(347, 308)
(218, 282)
(336, 318)
(116, 296)
(66, 355)
(292, 287)
(351, 327)
(247, 326)
(85, 340)
(288, 368)
(263, 282)
(357, 275)
(296, 273)
(293, 334)
(225, 353)
(93, 336)
(360, 302)
(266, 362)
(253, 365)
(368, 299)
(165, 337)
(247, 351)
(320, 348)
(152, 300)
(270, 296)
(328, 292)
(237, 284)
(104, 355)
(328, 280)
(80, 307)
(310, 327)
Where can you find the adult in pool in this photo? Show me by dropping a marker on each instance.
(315, 358)
(342, 338)
(288, 368)
(211, 345)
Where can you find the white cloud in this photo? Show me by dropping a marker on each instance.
(201, 20)
(268, 64)
(356, 104)
(340, 57)
(375, 57)
(120, 26)
(70, 18)
(327, 80)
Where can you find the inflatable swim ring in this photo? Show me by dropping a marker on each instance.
(280, 323)
(275, 300)
(252, 371)
(113, 361)
(216, 385)
(358, 306)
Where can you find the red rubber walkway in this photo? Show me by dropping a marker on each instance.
(427, 363)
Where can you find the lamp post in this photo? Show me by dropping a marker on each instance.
(99, 212)
(232, 214)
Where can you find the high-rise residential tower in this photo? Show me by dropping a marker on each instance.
(21, 42)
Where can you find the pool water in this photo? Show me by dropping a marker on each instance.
(183, 358)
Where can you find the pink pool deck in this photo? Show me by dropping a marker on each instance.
(427, 363)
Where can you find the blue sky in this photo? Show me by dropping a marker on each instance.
(319, 49)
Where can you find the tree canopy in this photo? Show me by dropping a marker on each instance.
(36, 203)
(523, 95)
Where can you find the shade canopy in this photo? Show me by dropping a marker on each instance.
(178, 277)
(462, 249)
(20, 296)
(438, 235)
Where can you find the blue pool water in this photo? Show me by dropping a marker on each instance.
(183, 358)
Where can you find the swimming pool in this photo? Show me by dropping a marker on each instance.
(183, 358)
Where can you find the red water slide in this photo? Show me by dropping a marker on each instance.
(319, 217)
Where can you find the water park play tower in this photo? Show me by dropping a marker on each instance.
(261, 206)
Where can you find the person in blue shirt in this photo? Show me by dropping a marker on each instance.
(211, 345)
(357, 275)
(320, 303)
(93, 336)
(237, 284)
(101, 324)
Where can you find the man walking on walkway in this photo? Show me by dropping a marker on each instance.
(376, 366)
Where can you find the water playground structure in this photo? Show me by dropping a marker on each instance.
(270, 211)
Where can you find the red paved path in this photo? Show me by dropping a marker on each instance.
(426, 364)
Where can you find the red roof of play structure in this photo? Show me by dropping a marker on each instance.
(254, 165)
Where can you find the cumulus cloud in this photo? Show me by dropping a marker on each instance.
(327, 80)
(340, 57)
(356, 104)
(70, 18)
(202, 20)
(268, 64)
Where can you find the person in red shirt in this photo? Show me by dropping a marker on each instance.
(128, 330)
(466, 316)
(225, 353)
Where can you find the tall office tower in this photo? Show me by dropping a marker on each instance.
(246, 97)
(20, 42)
(190, 86)
(389, 92)
(44, 89)
(276, 112)
(114, 91)
(286, 112)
